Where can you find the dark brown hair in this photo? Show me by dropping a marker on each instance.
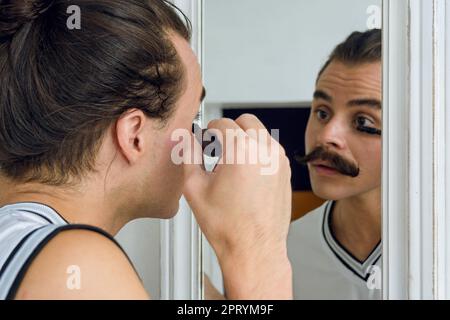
(358, 48)
(61, 89)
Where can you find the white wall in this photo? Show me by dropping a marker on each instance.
(271, 50)
(140, 239)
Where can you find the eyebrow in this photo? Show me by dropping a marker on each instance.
(373, 103)
(203, 94)
(319, 94)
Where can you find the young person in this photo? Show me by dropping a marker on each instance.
(335, 250)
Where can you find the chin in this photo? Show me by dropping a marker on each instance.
(170, 213)
(148, 210)
(328, 196)
(328, 191)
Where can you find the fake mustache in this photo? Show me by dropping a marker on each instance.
(336, 162)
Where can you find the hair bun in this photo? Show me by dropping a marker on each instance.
(15, 13)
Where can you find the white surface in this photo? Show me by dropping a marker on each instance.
(271, 51)
(140, 239)
(447, 135)
(415, 177)
(441, 227)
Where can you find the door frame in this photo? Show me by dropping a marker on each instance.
(181, 238)
(416, 170)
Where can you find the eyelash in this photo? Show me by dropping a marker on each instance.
(361, 128)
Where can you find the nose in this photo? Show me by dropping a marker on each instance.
(332, 135)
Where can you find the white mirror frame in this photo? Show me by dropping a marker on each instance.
(181, 238)
(416, 149)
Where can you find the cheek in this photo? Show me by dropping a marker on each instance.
(174, 171)
(166, 169)
(370, 158)
(170, 175)
(167, 147)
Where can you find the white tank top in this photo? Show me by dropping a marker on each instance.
(25, 228)
(323, 269)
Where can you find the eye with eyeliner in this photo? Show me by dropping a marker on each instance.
(367, 129)
(362, 123)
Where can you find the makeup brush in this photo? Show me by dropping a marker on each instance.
(202, 136)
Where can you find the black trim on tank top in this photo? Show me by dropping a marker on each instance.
(41, 204)
(327, 223)
(56, 211)
(19, 278)
(16, 249)
(39, 215)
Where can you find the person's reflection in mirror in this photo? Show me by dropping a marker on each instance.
(335, 250)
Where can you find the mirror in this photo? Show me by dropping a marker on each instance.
(264, 57)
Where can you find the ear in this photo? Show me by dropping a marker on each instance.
(130, 134)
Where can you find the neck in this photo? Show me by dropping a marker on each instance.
(77, 207)
(356, 223)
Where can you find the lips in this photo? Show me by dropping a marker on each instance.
(324, 168)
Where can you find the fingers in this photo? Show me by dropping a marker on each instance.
(195, 177)
(223, 125)
(230, 136)
(251, 124)
(249, 121)
(244, 131)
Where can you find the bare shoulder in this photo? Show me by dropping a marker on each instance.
(81, 264)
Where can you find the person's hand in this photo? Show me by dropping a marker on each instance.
(245, 213)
